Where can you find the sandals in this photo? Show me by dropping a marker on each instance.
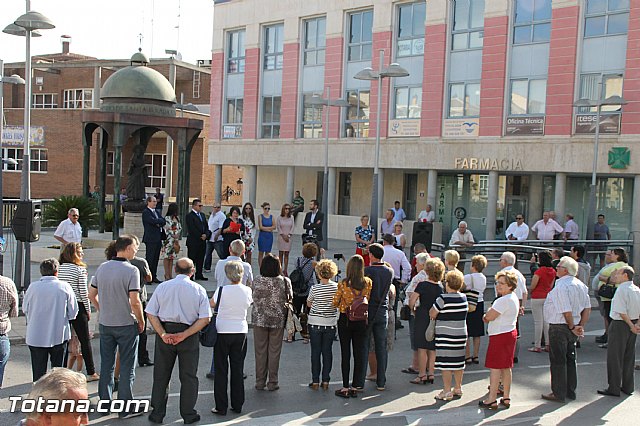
(343, 393)
(535, 349)
(444, 396)
(505, 402)
(430, 378)
(457, 393)
(420, 380)
(475, 360)
(468, 360)
(410, 370)
(489, 405)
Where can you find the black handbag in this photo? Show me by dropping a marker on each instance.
(405, 313)
(607, 291)
(209, 334)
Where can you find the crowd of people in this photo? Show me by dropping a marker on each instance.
(446, 311)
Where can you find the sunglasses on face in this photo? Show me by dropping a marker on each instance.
(75, 215)
(267, 208)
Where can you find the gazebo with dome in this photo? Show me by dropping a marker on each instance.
(137, 102)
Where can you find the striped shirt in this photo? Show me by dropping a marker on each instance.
(76, 277)
(322, 311)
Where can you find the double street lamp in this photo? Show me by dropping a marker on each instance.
(393, 70)
(588, 103)
(317, 100)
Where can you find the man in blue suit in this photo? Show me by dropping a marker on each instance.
(153, 235)
(198, 234)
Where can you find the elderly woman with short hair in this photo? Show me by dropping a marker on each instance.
(231, 345)
(421, 275)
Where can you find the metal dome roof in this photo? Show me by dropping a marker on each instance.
(138, 82)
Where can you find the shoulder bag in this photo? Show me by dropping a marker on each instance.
(430, 334)
(607, 291)
(472, 297)
(209, 334)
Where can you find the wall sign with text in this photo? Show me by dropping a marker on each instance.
(13, 136)
(461, 127)
(404, 128)
(609, 124)
(524, 126)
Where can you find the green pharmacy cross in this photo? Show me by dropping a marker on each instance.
(619, 157)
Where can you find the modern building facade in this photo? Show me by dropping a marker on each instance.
(483, 128)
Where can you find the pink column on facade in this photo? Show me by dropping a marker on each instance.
(492, 84)
(289, 108)
(381, 40)
(333, 78)
(631, 91)
(251, 93)
(562, 70)
(433, 80)
(217, 77)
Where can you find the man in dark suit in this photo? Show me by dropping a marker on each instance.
(153, 232)
(198, 234)
(314, 223)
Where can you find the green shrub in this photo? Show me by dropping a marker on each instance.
(108, 221)
(57, 210)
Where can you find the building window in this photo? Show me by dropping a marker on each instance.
(483, 186)
(157, 168)
(77, 98)
(464, 100)
(110, 162)
(271, 117)
(611, 85)
(528, 96)
(411, 25)
(233, 119)
(532, 21)
(311, 126)
(314, 41)
(468, 24)
(606, 17)
(408, 102)
(39, 162)
(196, 84)
(357, 122)
(273, 47)
(360, 36)
(45, 100)
(235, 52)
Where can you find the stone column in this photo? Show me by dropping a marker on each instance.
(432, 190)
(561, 192)
(331, 193)
(536, 203)
(492, 203)
(635, 220)
(217, 183)
(290, 188)
(250, 184)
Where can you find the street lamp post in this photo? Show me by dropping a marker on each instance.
(341, 103)
(25, 25)
(393, 70)
(581, 103)
(14, 79)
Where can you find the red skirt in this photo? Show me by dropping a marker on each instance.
(502, 348)
(364, 256)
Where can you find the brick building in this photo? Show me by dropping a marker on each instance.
(66, 83)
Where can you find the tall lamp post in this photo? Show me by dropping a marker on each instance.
(393, 70)
(582, 103)
(14, 79)
(26, 24)
(341, 103)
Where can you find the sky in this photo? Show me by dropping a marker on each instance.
(110, 29)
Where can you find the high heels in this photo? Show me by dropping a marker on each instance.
(489, 405)
(430, 378)
(420, 380)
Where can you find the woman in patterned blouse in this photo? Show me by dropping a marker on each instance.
(364, 237)
(352, 332)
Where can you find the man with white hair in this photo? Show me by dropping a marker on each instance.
(567, 310)
(507, 263)
(57, 385)
(546, 228)
(462, 238)
(236, 250)
(69, 230)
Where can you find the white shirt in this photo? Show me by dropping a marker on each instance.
(179, 300)
(398, 215)
(508, 307)
(215, 223)
(520, 232)
(68, 231)
(478, 282)
(626, 301)
(568, 295)
(521, 289)
(221, 276)
(467, 237)
(420, 277)
(313, 219)
(427, 217)
(397, 260)
(572, 228)
(546, 231)
(232, 312)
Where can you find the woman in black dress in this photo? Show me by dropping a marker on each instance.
(426, 293)
(232, 229)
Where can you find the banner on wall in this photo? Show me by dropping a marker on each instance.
(461, 127)
(13, 136)
(524, 126)
(609, 124)
(404, 128)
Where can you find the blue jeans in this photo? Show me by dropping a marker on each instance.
(5, 350)
(125, 340)
(321, 345)
(218, 246)
(379, 330)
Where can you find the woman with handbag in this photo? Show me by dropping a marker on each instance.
(474, 285)
(615, 258)
(541, 284)
(231, 344)
(271, 291)
(171, 246)
(426, 292)
(364, 238)
(306, 265)
(407, 314)
(354, 288)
